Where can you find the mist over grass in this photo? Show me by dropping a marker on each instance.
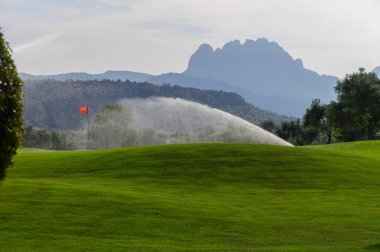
(159, 120)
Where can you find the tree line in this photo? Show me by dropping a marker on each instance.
(44, 139)
(355, 115)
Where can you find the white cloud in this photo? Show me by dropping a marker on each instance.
(37, 42)
(333, 37)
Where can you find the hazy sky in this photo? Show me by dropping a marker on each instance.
(156, 36)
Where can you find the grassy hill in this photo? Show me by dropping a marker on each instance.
(213, 197)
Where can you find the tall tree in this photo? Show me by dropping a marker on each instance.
(345, 125)
(10, 107)
(111, 128)
(268, 125)
(359, 99)
(316, 116)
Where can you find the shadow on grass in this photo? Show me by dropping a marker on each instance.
(375, 247)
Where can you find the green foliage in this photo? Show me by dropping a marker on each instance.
(10, 107)
(214, 197)
(358, 99)
(43, 139)
(269, 125)
(294, 132)
(318, 117)
(111, 129)
(230, 134)
(354, 116)
(111, 108)
(148, 136)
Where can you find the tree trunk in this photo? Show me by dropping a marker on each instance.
(328, 134)
(370, 136)
(352, 136)
(2, 171)
(329, 137)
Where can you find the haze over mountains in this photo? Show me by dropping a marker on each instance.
(261, 71)
(53, 104)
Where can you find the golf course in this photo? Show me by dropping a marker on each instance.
(196, 197)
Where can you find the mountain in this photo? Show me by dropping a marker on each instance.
(53, 104)
(377, 71)
(271, 78)
(185, 80)
(259, 70)
(110, 75)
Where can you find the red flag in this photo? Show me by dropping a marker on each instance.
(83, 109)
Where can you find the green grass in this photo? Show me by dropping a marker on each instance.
(216, 197)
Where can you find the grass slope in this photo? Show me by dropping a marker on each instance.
(194, 197)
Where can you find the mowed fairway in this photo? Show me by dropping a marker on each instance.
(217, 197)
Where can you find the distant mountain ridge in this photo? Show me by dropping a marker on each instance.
(184, 80)
(109, 75)
(271, 78)
(259, 70)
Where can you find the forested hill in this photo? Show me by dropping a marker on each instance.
(53, 104)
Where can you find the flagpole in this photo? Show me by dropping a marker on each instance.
(84, 110)
(88, 128)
